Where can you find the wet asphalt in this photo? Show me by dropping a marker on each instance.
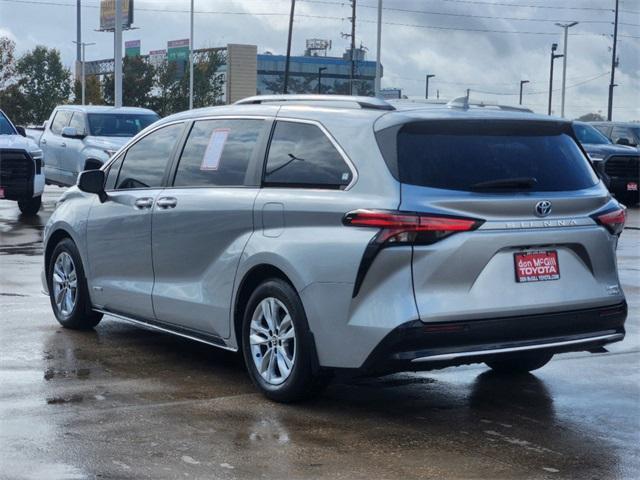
(123, 402)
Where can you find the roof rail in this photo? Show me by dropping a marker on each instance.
(464, 103)
(373, 103)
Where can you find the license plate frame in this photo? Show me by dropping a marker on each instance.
(632, 186)
(536, 266)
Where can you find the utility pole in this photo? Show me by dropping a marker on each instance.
(320, 70)
(353, 45)
(614, 64)
(82, 61)
(117, 55)
(554, 47)
(566, 27)
(377, 86)
(78, 32)
(191, 59)
(426, 93)
(288, 60)
(522, 82)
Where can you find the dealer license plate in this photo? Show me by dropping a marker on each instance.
(537, 266)
(632, 187)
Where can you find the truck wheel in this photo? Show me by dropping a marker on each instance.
(520, 364)
(30, 206)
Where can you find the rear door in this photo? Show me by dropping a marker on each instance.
(203, 221)
(51, 143)
(119, 229)
(537, 248)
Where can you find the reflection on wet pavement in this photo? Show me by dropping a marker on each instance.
(123, 402)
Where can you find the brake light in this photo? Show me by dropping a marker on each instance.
(405, 227)
(613, 220)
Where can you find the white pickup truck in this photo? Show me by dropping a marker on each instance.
(78, 138)
(21, 167)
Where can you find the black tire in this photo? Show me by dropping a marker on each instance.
(30, 206)
(81, 316)
(520, 364)
(305, 380)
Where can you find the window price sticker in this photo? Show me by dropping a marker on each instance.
(213, 153)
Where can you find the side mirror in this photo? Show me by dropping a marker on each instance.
(21, 131)
(92, 181)
(72, 132)
(623, 141)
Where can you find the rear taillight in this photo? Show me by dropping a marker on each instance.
(613, 219)
(404, 227)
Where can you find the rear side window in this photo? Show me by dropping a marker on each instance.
(145, 162)
(464, 155)
(60, 121)
(217, 153)
(301, 155)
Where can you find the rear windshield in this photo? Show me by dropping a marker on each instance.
(462, 155)
(118, 124)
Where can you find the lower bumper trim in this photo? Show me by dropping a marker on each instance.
(614, 337)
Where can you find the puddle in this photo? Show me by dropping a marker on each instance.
(63, 400)
(81, 373)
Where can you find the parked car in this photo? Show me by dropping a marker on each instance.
(323, 233)
(621, 133)
(21, 175)
(617, 165)
(78, 138)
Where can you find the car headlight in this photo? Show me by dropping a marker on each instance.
(596, 157)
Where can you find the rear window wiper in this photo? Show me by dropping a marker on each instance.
(516, 182)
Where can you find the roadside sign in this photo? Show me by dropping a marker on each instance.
(132, 48)
(178, 50)
(108, 14)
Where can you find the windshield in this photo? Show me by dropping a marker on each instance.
(5, 126)
(464, 155)
(118, 124)
(589, 134)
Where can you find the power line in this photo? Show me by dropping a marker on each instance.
(540, 92)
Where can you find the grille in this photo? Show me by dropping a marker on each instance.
(16, 168)
(623, 167)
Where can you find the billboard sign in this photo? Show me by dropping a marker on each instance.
(108, 14)
(178, 50)
(132, 48)
(156, 57)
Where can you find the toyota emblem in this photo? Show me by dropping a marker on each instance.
(543, 208)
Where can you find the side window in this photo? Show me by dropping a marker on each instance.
(622, 132)
(112, 174)
(145, 162)
(300, 154)
(60, 121)
(77, 121)
(217, 153)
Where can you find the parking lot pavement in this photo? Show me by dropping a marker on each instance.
(122, 402)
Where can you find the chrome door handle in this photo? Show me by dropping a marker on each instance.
(63, 144)
(43, 142)
(142, 203)
(167, 202)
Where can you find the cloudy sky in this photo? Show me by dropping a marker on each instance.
(485, 45)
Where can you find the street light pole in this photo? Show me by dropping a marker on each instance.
(522, 82)
(377, 87)
(82, 61)
(117, 56)
(566, 27)
(614, 64)
(320, 70)
(554, 47)
(287, 61)
(191, 59)
(426, 90)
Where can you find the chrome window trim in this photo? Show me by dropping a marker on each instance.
(334, 142)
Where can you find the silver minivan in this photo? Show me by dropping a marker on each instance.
(324, 234)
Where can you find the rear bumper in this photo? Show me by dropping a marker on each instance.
(418, 346)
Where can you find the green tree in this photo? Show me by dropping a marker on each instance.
(137, 83)
(7, 61)
(166, 88)
(92, 93)
(207, 82)
(43, 83)
(591, 117)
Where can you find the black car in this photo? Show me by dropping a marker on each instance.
(618, 165)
